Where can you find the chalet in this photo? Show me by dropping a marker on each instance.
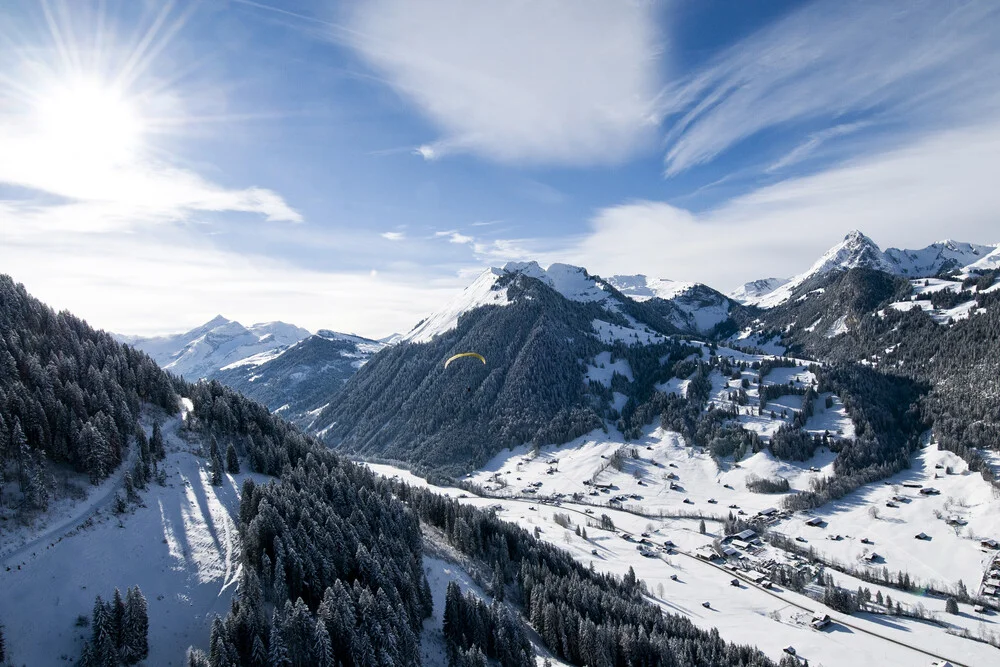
(990, 590)
(770, 511)
(735, 582)
(757, 577)
(873, 557)
(956, 521)
(922, 536)
(601, 486)
(815, 522)
(820, 621)
(706, 553)
(728, 552)
(668, 544)
(746, 535)
(979, 609)
(990, 544)
(929, 491)
(901, 499)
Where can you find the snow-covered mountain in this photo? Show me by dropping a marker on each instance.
(491, 289)
(859, 251)
(218, 343)
(700, 308)
(299, 380)
(936, 258)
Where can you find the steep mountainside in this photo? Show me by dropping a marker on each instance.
(219, 342)
(556, 367)
(941, 332)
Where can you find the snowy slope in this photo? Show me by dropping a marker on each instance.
(770, 619)
(756, 289)
(643, 288)
(700, 308)
(482, 292)
(181, 548)
(987, 263)
(217, 343)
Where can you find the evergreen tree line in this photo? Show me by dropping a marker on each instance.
(583, 617)
(119, 631)
(326, 546)
(473, 628)
(68, 394)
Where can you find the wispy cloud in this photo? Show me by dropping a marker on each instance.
(922, 66)
(560, 81)
(815, 140)
(393, 236)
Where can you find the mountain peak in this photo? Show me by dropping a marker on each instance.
(216, 321)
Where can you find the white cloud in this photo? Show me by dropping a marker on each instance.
(159, 280)
(925, 65)
(560, 81)
(942, 186)
(393, 236)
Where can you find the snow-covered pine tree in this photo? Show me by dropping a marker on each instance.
(322, 648)
(156, 442)
(135, 628)
(232, 459)
(216, 462)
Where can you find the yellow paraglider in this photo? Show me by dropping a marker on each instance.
(465, 354)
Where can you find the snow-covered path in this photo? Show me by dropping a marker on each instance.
(100, 499)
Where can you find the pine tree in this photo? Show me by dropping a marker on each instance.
(701, 527)
(278, 654)
(232, 460)
(3, 645)
(156, 442)
(135, 628)
(216, 462)
(117, 618)
(951, 605)
(258, 654)
(322, 648)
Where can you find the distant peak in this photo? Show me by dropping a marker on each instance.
(218, 320)
(857, 236)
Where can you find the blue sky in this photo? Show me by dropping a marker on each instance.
(352, 165)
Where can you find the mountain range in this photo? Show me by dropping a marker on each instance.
(567, 351)
(283, 366)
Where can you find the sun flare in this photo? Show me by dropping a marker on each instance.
(87, 123)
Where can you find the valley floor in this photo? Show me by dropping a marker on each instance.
(531, 489)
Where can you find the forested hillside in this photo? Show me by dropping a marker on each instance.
(68, 395)
(955, 361)
(404, 405)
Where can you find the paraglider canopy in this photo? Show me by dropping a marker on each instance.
(475, 355)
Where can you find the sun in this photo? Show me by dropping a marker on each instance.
(87, 123)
